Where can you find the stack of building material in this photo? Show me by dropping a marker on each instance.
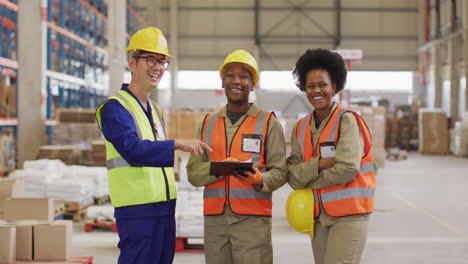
(10, 188)
(375, 118)
(79, 190)
(102, 213)
(36, 181)
(75, 133)
(76, 115)
(98, 153)
(7, 97)
(98, 175)
(75, 127)
(36, 241)
(69, 154)
(433, 131)
(78, 186)
(183, 124)
(460, 142)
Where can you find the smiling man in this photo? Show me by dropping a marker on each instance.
(140, 157)
(237, 208)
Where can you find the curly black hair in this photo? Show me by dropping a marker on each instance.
(322, 59)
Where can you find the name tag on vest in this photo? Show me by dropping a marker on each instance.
(327, 149)
(252, 143)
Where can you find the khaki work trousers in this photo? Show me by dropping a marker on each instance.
(245, 242)
(340, 243)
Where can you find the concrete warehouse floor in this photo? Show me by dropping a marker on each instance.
(420, 216)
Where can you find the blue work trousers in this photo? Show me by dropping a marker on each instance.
(147, 240)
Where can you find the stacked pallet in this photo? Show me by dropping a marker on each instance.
(69, 154)
(76, 211)
(183, 124)
(7, 98)
(375, 118)
(433, 131)
(75, 127)
(98, 153)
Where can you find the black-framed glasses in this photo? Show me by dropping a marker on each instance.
(151, 61)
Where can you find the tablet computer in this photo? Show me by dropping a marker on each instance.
(224, 168)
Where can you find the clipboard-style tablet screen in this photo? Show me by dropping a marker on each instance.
(224, 168)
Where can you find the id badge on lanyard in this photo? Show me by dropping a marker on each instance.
(252, 143)
(327, 149)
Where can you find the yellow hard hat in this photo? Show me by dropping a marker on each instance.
(244, 57)
(149, 39)
(300, 211)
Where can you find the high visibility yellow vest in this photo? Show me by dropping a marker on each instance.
(137, 185)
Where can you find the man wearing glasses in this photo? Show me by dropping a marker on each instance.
(140, 158)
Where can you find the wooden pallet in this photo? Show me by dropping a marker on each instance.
(76, 216)
(75, 115)
(74, 206)
(183, 245)
(90, 225)
(72, 260)
(101, 200)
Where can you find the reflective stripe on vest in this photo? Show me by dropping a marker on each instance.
(215, 194)
(236, 193)
(118, 162)
(357, 196)
(347, 193)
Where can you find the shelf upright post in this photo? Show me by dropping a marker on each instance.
(8, 34)
(2, 14)
(49, 103)
(61, 97)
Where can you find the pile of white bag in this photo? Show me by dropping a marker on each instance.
(46, 178)
(101, 213)
(189, 210)
(37, 175)
(98, 175)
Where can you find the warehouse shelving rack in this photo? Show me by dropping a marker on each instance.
(135, 21)
(8, 59)
(76, 58)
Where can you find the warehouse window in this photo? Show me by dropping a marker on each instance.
(401, 81)
(397, 81)
(199, 80)
(277, 80)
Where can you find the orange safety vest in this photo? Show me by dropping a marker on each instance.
(242, 198)
(356, 197)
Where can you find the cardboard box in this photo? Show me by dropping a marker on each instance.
(29, 209)
(24, 240)
(11, 188)
(375, 118)
(53, 241)
(7, 244)
(433, 131)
